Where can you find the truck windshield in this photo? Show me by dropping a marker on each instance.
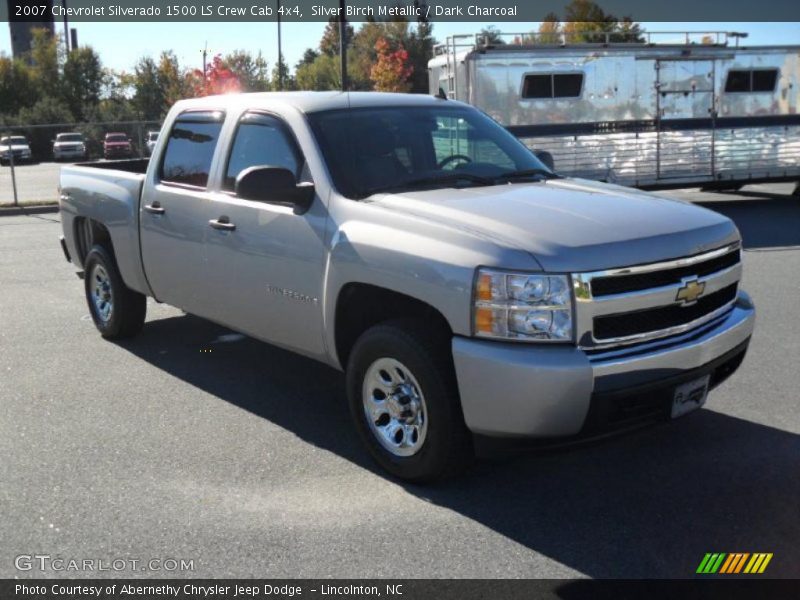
(70, 137)
(15, 141)
(401, 148)
(116, 137)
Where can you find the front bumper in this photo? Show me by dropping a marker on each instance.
(521, 390)
(69, 153)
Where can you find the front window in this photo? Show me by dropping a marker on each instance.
(117, 137)
(400, 148)
(15, 141)
(70, 137)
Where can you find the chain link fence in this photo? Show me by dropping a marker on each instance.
(30, 162)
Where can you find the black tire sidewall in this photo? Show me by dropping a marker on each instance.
(99, 255)
(431, 365)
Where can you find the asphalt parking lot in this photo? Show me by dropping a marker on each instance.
(189, 442)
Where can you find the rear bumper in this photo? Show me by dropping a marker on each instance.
(516, 390)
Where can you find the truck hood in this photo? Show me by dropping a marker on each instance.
(573, 225)
(116, 144)
(4, 147)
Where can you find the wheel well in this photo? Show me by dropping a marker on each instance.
(89, 232)
(361, 306)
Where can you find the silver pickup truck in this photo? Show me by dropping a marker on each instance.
(467, 290)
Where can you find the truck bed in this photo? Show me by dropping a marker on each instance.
(106, 192)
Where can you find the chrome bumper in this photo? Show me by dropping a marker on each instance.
(510, 389)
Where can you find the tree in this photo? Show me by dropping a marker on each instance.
(148, 96)
(44, 59)
(172, 79)
(549, 30)
(585, 21)
(323, 73)
(82, 81)
(391, 71)
(491, 35)
(281, 77)
(329, 44)
(309, 56)
(252, 72)
(17, 88)
(217, 79)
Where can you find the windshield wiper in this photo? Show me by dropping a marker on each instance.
(525, 174)
(425, 181)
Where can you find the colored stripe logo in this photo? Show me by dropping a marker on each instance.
(734, 563)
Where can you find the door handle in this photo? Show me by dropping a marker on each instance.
(154, 208)
(223, 224)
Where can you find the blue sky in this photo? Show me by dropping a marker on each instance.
(121, 44)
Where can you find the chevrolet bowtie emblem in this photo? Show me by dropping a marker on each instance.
(691, 291)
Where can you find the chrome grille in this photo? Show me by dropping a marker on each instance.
(645, 302)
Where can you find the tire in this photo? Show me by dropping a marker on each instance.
(434, 442)
(117, 311)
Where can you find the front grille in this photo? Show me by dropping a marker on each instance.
(660, 318)
(635, 282)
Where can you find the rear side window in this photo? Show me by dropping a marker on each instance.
(190, 148)
(751, 80)
(552, 85)
(261, 140)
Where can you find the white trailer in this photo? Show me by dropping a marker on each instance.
(646, 114)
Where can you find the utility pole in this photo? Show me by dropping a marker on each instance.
(66, 25)
(205, 52)
(343, 44)
(280, 50)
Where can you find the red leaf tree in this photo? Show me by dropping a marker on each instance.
(391, 72)
(218, 79)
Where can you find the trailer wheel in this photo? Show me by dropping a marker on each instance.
(117, 311)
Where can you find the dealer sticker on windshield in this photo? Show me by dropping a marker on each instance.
(690, 396)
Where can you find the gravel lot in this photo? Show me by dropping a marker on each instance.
(243, 458)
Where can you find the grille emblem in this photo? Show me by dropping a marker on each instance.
(690, 292)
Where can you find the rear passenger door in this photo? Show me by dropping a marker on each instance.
(173, 212)
(267, 272)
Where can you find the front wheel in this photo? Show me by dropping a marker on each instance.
(404, 401)
(117, 311)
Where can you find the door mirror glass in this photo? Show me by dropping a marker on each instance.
(546, 159)
(275, 185)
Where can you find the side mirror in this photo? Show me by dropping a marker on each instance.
(275, 185)
(546, 158)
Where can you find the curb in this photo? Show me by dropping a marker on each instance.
(10, 211)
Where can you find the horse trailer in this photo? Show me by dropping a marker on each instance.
(642, 113)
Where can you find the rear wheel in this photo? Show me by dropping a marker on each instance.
(404, 401)
(117, 311)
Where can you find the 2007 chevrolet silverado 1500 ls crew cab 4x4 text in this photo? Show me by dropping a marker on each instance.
(467, 290)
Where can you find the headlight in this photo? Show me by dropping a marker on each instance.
(522, 306)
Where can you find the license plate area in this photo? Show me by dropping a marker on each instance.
(690, 396)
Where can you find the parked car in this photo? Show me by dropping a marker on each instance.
(16, 144)
(150, 144)
(467, 290)
(70, 146)
(117, 145)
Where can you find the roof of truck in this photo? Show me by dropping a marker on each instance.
(309, 102)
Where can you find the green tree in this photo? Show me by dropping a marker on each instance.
(281, 77)
(252, 72)
(309, 56)
(172, 79)
(550, 30)
(329, 44)
(490, 35)
(44, 59)
(148, 97)
(17, 88)
(82, 82)
(323, 73)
